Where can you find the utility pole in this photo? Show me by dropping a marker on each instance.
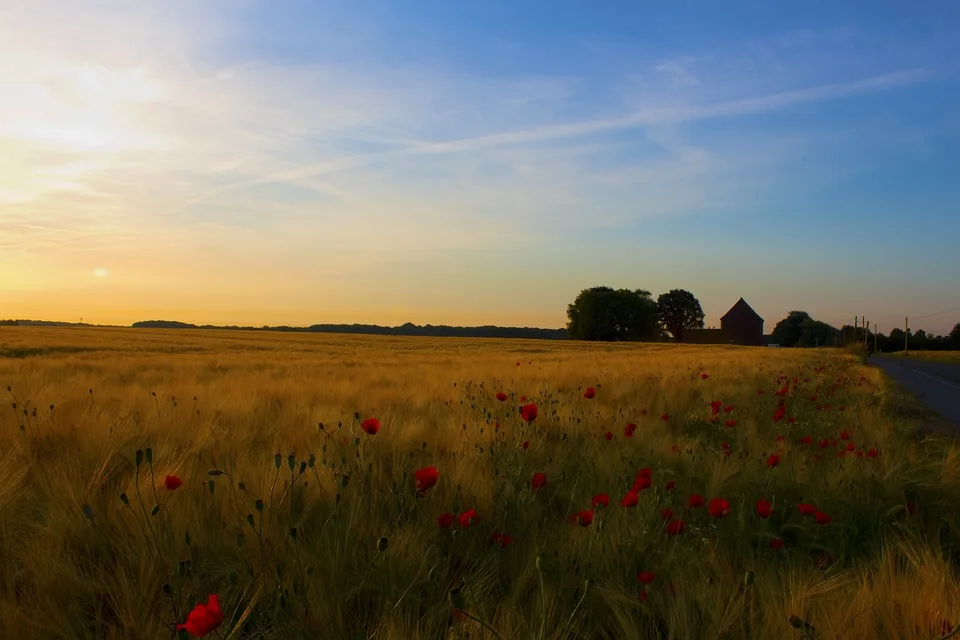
(876, 332)
(866, 333)
(906, 335)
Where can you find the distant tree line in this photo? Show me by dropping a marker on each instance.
(604, 313)
(798, 329)
(408, 329)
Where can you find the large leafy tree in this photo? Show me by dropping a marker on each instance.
(814, 333)
(955, 336)
(602, 313)
(788, 331)
(678, 310)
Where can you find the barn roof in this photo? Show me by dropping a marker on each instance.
(741, 309)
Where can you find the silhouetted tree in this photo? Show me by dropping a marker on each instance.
(602, 313)
(677, 310)
(787, 332)
(814, 333)
(955, 337)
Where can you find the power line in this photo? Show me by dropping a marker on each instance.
(930, 315)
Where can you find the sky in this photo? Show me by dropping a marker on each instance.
(294, 162)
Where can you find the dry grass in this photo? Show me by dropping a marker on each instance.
(942, 356)
(232, 400)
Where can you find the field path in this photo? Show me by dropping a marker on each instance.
(937, 384)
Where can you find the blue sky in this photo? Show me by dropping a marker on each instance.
(471, 163)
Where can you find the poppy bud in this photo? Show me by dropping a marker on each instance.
(258, 504)
(215, 472)
(149, 455)
(749, 578)
(242, 486)
(250, 519)
(124, 499)
(293, 533)
(87, 511)
(457, 599)
(138, 458)
(291, 461)
(155, 510)
(344, 481)
(312, 460)
(382, 544)
(277, 459)
(303, 468)
(167, 589)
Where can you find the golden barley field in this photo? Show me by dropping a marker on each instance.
(142, 471)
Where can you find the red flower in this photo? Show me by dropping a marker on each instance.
(643, 412)
(730, 423)
(822, 518)
(665, 417)
(204, 618)
(844, 435)
(728, 408)
(872, 453)
(645, 577)
(501, 396)
(467, 518)
(776, 544)
(695, 501)
(582, 518)
(646, 471)
(806, 440)
(676, 527)
(807, 510)
(666, 513)
(718, 508)
(715, 406)
(539, 480)
(518, 363)
(773, 460)
(502, 540)
(781, 438)
(528, 412)
(425, 478)
(172, 483)
(608, 435)
(525, 444)
(630, 499)
(779, 413)
(824, 443)
(523, 398)
(764, 508)
(851, 446)
(589, 393)
(629, 430)
(791, 420)
(371, 426)
(600, 500)
(641, 483)
(670, 486)
(444, 520)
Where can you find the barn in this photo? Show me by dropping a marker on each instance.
(740, 325)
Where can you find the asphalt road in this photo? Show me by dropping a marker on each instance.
(937, 384)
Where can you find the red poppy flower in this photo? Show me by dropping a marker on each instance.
(791, 420)
(525, 444)
(643, 412)
(518, 363)
(773, 460)
(501, 396)
(730, 423)
(781, 438)
(608, 435)
(645, 577)
(467, 518)
(646, 471)
(600, 500)
(539, 480)
(204, 618)
(806, 440)
(844, 435)
(444, 520)
(501, 540)
(704, 376)
(728, 409)
(172, 483)
(641, 483)
(807, 510)
(695, 501)
(666, 513)
(589, 393)
(822, 518)
(371, 426)
(776, 544)
(872, 453)
(779, 413)
(629, 430)
(582, 518)
(718, 508)
(764, 508)
(670, 486)
(851, 446)
(665, 417)
(425, 478)
(824, 443)
(676, 527)
(528, 412)
(715, 406)
(725, 446)
(630, 499)
(523, 398)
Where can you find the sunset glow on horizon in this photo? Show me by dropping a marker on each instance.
(251, 163)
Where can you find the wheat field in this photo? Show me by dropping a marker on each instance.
(305, 524)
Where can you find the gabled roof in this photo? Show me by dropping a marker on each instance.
(741, 309)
